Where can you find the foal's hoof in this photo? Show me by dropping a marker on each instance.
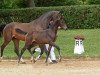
(60, 58)
(1, 59)
(51, 63)
(33, 61)
(54, 61)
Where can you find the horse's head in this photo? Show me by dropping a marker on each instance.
(58, 17)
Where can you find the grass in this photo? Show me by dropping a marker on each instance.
(65, 40)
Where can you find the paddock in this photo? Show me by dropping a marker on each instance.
(81, 66)
(68, 66)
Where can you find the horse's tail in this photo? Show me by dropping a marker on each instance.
(20, 31)
(1, 29)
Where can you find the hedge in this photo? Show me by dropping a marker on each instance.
(76, 17)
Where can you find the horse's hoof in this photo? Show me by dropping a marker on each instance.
(1, 59)
(33, 61)
(59, 60)
(23, 62)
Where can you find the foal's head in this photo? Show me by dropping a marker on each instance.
(58, 23)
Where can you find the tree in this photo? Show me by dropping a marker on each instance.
(30, 3)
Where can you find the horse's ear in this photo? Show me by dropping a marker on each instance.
(61, 12)
(60, 15)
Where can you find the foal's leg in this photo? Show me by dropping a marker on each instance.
(57, 47)
(42, 48)
(41, 52)
(48, 54)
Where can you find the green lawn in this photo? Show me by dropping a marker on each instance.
(65, 41)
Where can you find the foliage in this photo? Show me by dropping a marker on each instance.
(12, 4)
(8, 4)
(93, 2)
(56, 2)
(76, 17)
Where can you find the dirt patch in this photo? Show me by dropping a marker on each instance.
(66, 67)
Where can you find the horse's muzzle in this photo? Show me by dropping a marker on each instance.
(65, 28)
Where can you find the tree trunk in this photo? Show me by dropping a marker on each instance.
(30, 3)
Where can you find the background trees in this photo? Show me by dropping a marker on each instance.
(9, 4)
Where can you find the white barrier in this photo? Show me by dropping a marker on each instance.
(79, 48)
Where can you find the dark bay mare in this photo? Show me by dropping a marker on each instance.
(40, 23)
(47, 36)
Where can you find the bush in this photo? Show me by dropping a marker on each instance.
(56, 2)
(76, 17)
(93, 1)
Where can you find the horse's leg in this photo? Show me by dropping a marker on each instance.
(16, 50)
(16, 45)
(7, 39)
(22, 51)
(20, 55)
(26, 46)
(2, 48)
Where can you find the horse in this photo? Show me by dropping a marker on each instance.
(38, 24)
(47, 36)
(1, 29)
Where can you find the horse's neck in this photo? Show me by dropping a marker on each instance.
(43, 23)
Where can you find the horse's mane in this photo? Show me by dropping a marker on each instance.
(46, 15)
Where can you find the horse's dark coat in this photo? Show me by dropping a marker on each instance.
(38, 24)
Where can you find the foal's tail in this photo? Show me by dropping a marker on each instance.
(20, 31)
